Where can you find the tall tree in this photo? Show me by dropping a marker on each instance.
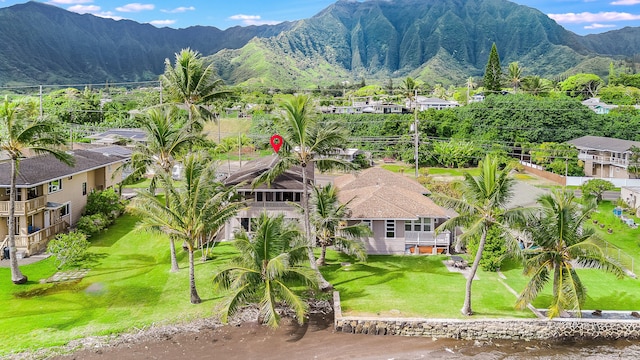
(18, 135)
(167, 139)
(306, 144)
(409, 87)
(190, 83)
(195, 212)
(269, 263)
(327, 218)
(482, 207)
(562, 244)
(515, 75)
(493, 72)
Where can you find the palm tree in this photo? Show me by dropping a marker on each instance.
(190, 83)
(515, 75)
(562, 244)
(535, 85)
(166, 139)
(18, 135)
(470, 85)
(194, 214)
(327, 218)
(482, 207)
(409, 87)
(305, 143)
(268, 264)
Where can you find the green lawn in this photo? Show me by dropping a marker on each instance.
(419, 286)
(453, 172)
(129, 286)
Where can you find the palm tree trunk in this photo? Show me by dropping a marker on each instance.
(466, 308)
(172, 245)
(323, 256)
(16, 275)
(323, 283)
(195, 298)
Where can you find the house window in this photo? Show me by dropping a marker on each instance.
(84, 188)
(259, 196)
(368, 223)
(244, 223)
(55, 185)
(64, 210)
(420, 225)
(18, 194)
(390, 226)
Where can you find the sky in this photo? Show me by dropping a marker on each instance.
(580, 16)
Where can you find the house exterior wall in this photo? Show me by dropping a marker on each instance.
(378, 243)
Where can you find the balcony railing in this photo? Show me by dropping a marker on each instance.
(424, 238)
(24, 208)
(37, 241)
(597, 159)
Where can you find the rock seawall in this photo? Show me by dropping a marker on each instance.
(486, 329)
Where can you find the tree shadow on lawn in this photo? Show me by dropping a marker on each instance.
(52, 288)
(381, 275)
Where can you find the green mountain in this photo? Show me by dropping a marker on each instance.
(443, 41)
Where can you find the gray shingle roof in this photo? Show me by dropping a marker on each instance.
(290, 180)
(44, 168)
(603, 143)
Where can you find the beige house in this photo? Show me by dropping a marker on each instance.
(51, 195)
(605, 157)
(403, 219)
(275, 198)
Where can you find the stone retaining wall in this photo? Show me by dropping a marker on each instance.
(485, 329)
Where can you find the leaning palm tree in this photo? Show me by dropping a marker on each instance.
(306, 144)
(562, 244)
(190, 83)
(269, 263)
(482, 206)
(167, 138)
(327, 218)
(195, 212)
(18, 135)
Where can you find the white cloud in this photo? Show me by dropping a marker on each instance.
(162, 22)
(625, 2)
(84, 9)
(180, 9)
(135, 7)
(596, 26)
(253, 20)
(587, 17)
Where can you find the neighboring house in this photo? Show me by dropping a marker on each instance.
(119, 136)
(605, 157)
(51, 195)
(275, 198)
(372, 107)
(403, 219)
(631, 196)
(598, 106)
(426, 103)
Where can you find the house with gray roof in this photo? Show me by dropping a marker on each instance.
(605, 157)
(51, 195)
(396, 208)
(277, 197)
(119, 136)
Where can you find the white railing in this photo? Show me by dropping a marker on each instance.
(604, 159)
(422, 238)
(579, 180)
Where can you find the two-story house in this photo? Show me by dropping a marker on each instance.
(605, 157)
(51, 195)
(402, 218)
(277, 197)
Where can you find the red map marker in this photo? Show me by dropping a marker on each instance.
(276, 142)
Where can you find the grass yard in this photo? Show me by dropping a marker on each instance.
(415, 286)
(453, 172)
(228, 127)
(129, 285)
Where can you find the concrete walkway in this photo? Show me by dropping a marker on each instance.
(4, 263)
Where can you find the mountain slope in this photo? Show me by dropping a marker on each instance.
(46, 44)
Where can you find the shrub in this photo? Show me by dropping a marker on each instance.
(68, 249)
(106, 202)
(92, 224)
(494, 250)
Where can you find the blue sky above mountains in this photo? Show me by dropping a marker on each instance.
(579, 16)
